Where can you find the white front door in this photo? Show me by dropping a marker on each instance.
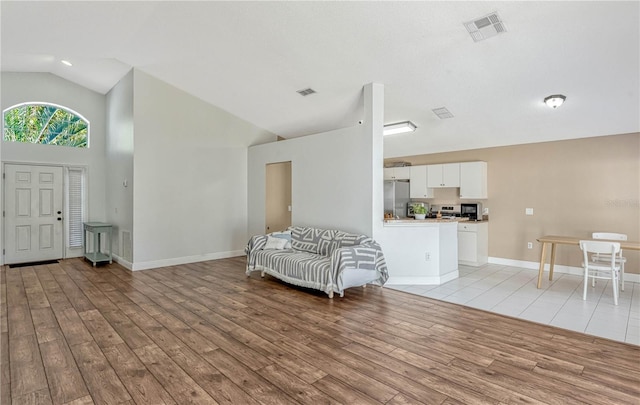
(33, 213)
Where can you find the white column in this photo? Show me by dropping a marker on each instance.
(373, 125)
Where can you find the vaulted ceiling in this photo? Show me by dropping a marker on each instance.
(251, 58)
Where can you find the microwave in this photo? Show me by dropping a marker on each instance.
(473, 211)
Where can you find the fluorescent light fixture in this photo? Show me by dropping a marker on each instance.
(66, 62)
(555, 100)
(399, 128)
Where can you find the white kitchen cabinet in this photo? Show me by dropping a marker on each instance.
(473, 180)
(443, 175)
(418, 183)
(397, 173)
(473, 243)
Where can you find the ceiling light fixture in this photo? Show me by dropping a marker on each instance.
(555, 100)
(66, 62)
(399, 128)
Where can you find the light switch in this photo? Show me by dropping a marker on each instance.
(289, 208)
(528, 211)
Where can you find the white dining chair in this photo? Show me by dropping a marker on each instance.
(604, 258)
(596, 270)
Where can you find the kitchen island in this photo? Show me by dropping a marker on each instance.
(421, 251)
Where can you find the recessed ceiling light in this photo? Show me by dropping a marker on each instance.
(555, 100)
(66, 62)
(399, 128)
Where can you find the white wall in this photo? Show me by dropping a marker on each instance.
(333, 177)
(119, 157)
(44, 87)
(192, 192)
(190, 176)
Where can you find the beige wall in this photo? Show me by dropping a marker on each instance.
(575, 187)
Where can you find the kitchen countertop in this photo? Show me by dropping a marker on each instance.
(428, 220)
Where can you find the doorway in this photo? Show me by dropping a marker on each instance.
(33, 206)
(278, 197)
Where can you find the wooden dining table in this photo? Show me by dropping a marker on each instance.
(555, 240)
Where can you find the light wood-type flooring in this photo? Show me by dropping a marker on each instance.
(204, 333)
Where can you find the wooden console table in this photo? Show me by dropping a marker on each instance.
(569, 240)
(97, 228)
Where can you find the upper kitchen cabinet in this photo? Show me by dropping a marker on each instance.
(473, 180)
(418, 183)
(397, 173)
(444, 175)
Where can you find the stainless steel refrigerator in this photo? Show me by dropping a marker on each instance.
(396, 197)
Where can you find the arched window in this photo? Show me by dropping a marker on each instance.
(47, 124)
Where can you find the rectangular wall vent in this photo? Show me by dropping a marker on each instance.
(485, 27)
(306, 92)
(126, 249)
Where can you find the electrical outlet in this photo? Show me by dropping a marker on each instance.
(427, 256)
(529, 245)
(528, 211)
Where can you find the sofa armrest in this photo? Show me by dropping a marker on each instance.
(256, 243)
(366, 256)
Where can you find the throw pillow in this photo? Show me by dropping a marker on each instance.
(283, 235)
(275, 243)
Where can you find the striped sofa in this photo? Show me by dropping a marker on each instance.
(323, 259)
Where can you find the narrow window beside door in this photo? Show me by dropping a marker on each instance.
(76, 206)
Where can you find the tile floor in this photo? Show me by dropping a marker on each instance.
(512, 291)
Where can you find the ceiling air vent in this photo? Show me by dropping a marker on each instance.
(306, 92)
(485, 27)
(442, 113)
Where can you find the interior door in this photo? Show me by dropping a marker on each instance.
(278, 197)
(33, 213)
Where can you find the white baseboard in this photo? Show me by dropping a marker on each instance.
(122, 262)
(434, 280)
(558, 268)
(184, 260)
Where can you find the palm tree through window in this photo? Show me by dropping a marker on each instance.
(45, 124)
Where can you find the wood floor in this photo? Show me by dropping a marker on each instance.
(204, 333)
